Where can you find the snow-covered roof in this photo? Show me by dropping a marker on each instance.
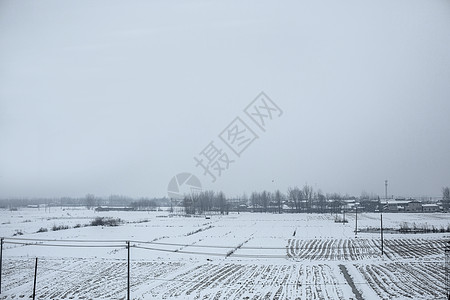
(397, 202)
(402, 202)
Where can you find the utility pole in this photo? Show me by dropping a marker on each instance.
(382, 241)
(35, 275)
(343, 215)
(1, 261)
(128, 279)
(385, 190)
(356, 220)
(381, 209)
(447, 269)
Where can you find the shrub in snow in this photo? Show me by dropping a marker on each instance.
(101, 221)
(18, 232)
(60, 227)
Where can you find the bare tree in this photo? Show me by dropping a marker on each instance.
(254, 200)
(296, 195)
(222, 203)
(188, 204)
(265, 200)
(292, 197)
(321, 201)
(308, 195)
(89, 201)
(336, 202)
(278, 200)
(205, 201)
(446, 198)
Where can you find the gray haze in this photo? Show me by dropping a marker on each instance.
(117, 97)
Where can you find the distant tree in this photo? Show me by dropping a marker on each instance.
(118, 200)
(278, 200)
(295, 195)
(369, 202)
(291, 198)
(206, 201)
(265, 200)
(336, 202)
(89, 201)
(254, 200)
(308, 196)
(446, 198)
(222, 203)
(188, 205)
(144, 204)
(171, 206)
(243, 201)
(321, 201)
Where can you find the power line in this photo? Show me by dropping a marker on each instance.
(179, 251)
(65, 245)
(310, 247)
(321, 247)
(322, 251)
(69, 240)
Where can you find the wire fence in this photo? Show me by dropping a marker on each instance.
(110, 278)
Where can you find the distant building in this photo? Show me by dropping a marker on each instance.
(413, 206)
(430, 208)
(242, 207)
(402, 205)
(349, 205)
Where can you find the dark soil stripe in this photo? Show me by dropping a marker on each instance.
(350, 282)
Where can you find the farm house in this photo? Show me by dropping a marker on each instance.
(410, 205)
(430, 208)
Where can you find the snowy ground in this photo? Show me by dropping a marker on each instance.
(239, 256)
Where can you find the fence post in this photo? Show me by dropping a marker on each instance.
(128, 279)
(35, 275)
(1, 262)
(447, 269)
(382, 240)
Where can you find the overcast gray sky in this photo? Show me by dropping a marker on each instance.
(117, 97)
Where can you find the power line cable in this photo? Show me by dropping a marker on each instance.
(310, 247)
(65, 245)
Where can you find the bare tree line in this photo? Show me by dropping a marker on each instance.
(295, 200)
(298, 200)
(206, 201)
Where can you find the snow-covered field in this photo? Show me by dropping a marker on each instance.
(239, 256)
